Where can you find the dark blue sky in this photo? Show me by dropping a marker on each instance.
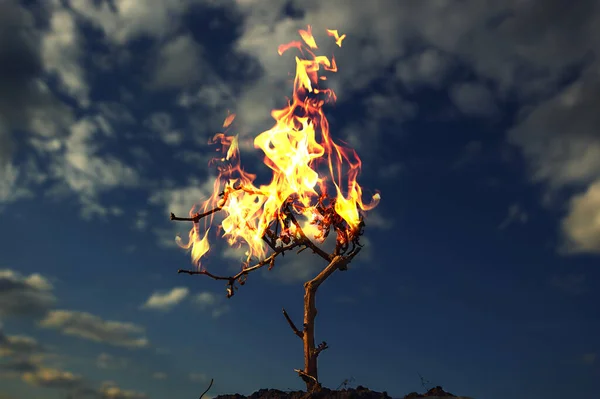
(477, 122)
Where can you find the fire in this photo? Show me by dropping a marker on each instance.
(296, 149)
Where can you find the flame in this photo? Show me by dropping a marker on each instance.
(296, 149)
(198, 246)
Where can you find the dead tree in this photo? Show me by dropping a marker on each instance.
(294, 192)
(347, 247)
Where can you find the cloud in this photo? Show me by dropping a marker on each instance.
(87, 174)
(473, 99)
(515, 214)
(16, 368)
(88, 326)
(207, 301)
(23, 357)
(24, 295)
(10, 179)
(26, 103)
(581, 226)
(161, 123)
(18, 346)
(20, 354)
(61, 54)
(109, 390)
(125, 20)
(179, 64)
(428, 67)
(180, 201)
(52, 378)
(166, 300)
(559, 136)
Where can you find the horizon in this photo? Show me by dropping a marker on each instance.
(475, 121)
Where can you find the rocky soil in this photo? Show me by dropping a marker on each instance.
(359, 392)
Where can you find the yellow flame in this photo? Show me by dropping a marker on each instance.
(294, 148)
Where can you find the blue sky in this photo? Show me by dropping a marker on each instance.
(477, 122)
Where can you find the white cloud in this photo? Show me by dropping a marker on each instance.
(180, 201)
(82, 171)
(61, 52)
(581, 226)
(166, 300)
(109, 390)
(52, 378)
(215, 95)
(18, 346)
(559, 136)
(11, 188)
(94, 328)
(20, 295)
(130, 19)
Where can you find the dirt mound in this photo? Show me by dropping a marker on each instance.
(359, 393)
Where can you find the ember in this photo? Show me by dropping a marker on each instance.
(267, 219)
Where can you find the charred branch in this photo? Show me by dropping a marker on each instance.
(209, 385)
(292, 325)
(196, 218)
(304, 240)
(232, 279)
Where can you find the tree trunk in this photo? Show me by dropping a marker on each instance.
(310, 312)
(310, 358)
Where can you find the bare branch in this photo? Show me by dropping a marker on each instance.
(305, 376)
(304, 240)
(209, 385)
(232, 279)
(320, 348)
(196, 217)
(269, 242)
(291, 323)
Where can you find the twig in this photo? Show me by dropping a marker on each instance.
(320, 348)
(305, 240)
(196, 217)
(232, 279)
(209, 385)
(305, 376)
(292, 325)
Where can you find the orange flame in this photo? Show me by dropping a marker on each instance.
(294, 148)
